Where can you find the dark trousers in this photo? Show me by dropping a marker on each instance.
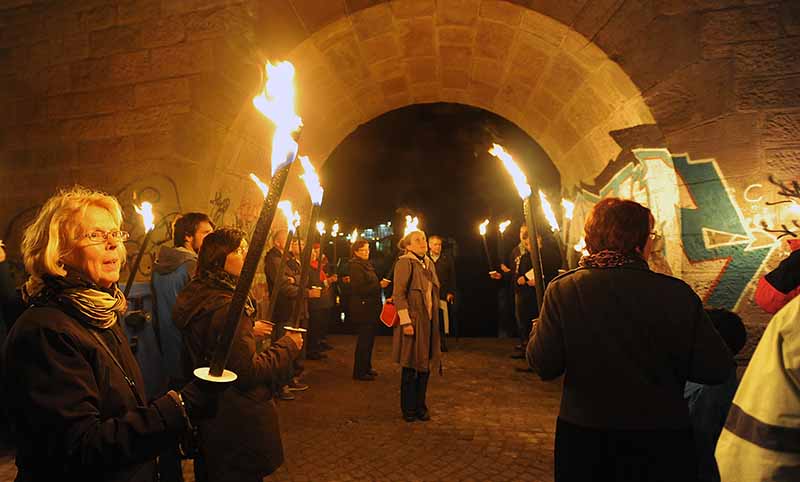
(366, 340)
(413, 388)
(525, 311)
(317, 320)
(587, 455)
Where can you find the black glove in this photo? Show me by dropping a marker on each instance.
(786, 277)
(202, 398)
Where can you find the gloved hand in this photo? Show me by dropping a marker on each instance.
(202, 398)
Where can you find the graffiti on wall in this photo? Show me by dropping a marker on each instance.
(715, 243)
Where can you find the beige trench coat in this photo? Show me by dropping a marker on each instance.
(417, 303)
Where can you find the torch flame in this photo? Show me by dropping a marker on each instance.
(548, 211)
(295, 221)
(569, 208)
(520, 181)
(505, 224)
(286, 208)
(311, 181)
(321, 228)
(353, 236)
(276, 102)
(794, 208)
(335, 229)
(411, 225)
(264, 188)
(482, 227)
(146, 211)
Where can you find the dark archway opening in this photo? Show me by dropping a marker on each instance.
(431, 160)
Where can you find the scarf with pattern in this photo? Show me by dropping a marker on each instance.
(96, 306)
(222, 279)
(611, 259)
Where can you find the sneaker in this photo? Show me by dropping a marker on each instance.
(285, 393)
(296, 386)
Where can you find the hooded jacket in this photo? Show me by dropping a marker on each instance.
(172, 270)
(245, 434)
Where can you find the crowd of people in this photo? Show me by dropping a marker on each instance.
(650, 389)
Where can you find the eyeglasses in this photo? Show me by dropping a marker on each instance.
(655, 236)
(100, 236)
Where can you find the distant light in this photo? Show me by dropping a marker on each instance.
(342, 316)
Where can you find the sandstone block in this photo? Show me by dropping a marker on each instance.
(90, 103)
(114, 40)
(741, 24)
(162, 92)
(457, 12)
(135, 11)
(380, 48)
(69, 49)
(315, 15)
(546, 103)
(373, 21)
(501, 11)
(421, 69)
(280, 28)
(394, 86)
(455, 79)
(768, 93)
(547, 29)
(565, 76)
(781, 128)
(147, 119)
(455, 57)
(417, 37)
(100, 151)
(413, 8)
(98, 18)
(186, 58)
(455, 35)
(493, 40)
(594, 15)
(776, 57)
(488, 71)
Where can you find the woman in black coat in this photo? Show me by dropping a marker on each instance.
(365, 308)
(243, 442)
(73, 389)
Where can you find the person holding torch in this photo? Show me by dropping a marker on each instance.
(243, 442)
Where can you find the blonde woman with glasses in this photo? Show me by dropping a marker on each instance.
(75, 392)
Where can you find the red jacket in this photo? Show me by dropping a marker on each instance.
(782, 284)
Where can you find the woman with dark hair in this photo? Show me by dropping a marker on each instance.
(243, 442)
(365, 308)
(416, 344)
(612, 320)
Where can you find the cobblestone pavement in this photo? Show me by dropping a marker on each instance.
(489, 421)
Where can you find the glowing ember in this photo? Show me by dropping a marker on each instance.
(520, 181)
(321, 227)
(311, 181)
(504, 225)
(411, 225)
(569, 208)
(548, 211)
(263, 187)
(146, 211)
(276, 102)
(482, 227)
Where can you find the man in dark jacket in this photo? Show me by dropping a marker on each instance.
(446, 272)
(173, 269)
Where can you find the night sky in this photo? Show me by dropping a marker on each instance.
(432, 159)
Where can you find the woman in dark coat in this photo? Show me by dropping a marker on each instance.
(365, 308)
(626, 340)
(243, 442)
(74, 390)
(416, 343)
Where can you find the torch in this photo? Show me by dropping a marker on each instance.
(501, 245)
(311, 180)
(277, 103)
(568, 209)
(292, 221)
(482, 230)
(146, 211)
(528, 200)
(550, 215)
(335, 238)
